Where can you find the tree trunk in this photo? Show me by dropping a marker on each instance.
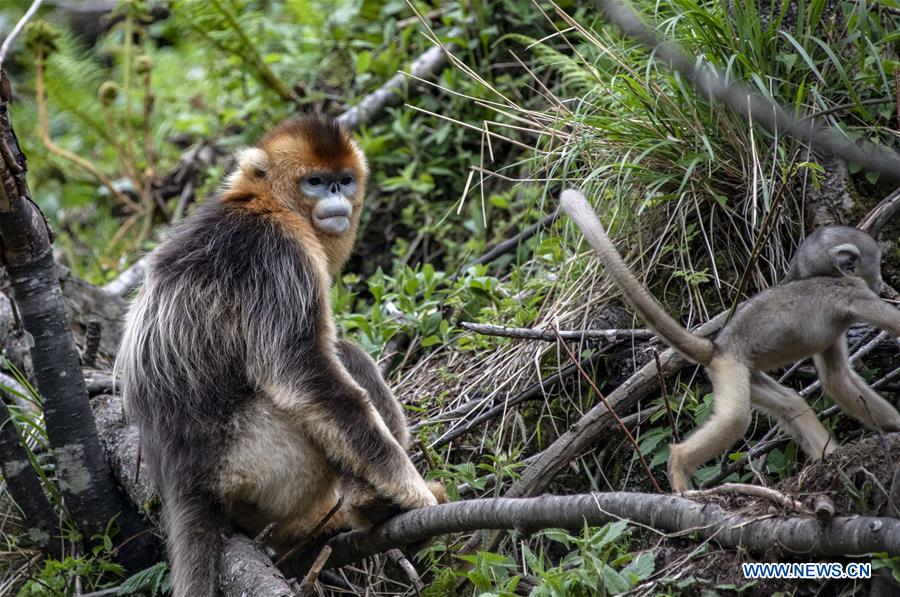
(89, 493)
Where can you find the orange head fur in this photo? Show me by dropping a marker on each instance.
(267, 181)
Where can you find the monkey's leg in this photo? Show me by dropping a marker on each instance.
(362, 504)
(365, 372)
(729, 420)
(851, 392)
(792, 413)
(334, 412)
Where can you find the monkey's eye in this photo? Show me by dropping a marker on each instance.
(346, 181)
(314, 181)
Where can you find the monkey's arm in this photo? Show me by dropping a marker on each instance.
(869, 308)
(850, 391)
(365, 372)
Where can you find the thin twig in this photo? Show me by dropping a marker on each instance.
(609, 335)
(612, 412)
(875, 220)
(411, 573)
(308, 586)
(7, 43)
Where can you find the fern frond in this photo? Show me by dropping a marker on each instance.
(575, 74)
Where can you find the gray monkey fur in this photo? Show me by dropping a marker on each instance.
(833, 283)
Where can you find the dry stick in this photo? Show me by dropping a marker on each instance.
(742, 100)
(803, 536)
(609, 335)
(846, 106)
(875, 220)
(432, 465)
(759, 491)
(308, 586)
(612, 413)
(44, 134)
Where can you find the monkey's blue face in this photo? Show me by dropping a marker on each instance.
(333, 195)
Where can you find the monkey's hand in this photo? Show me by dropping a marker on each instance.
(366, 507)
(438, 491)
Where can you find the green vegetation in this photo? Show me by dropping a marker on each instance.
(542, 95)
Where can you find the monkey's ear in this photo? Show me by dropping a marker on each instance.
(845, 258)
(253, 160)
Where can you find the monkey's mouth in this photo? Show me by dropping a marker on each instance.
(333, 224)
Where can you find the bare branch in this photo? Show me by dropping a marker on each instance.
(804, 536)
(391, 93)
(875, 220)
(511, 243)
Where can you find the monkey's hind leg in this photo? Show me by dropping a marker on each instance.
(849, 390)
(365, 372)
(729, 420)
(793, 414)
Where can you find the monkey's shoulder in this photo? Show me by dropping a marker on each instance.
(809, 291)
(797, 301)
(220, 242)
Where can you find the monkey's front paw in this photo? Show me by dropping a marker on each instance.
(679, 478)
(438, 491)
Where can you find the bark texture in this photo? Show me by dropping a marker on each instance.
(244, 569)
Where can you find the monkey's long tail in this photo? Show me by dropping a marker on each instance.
(194, 538)
(693, 347)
